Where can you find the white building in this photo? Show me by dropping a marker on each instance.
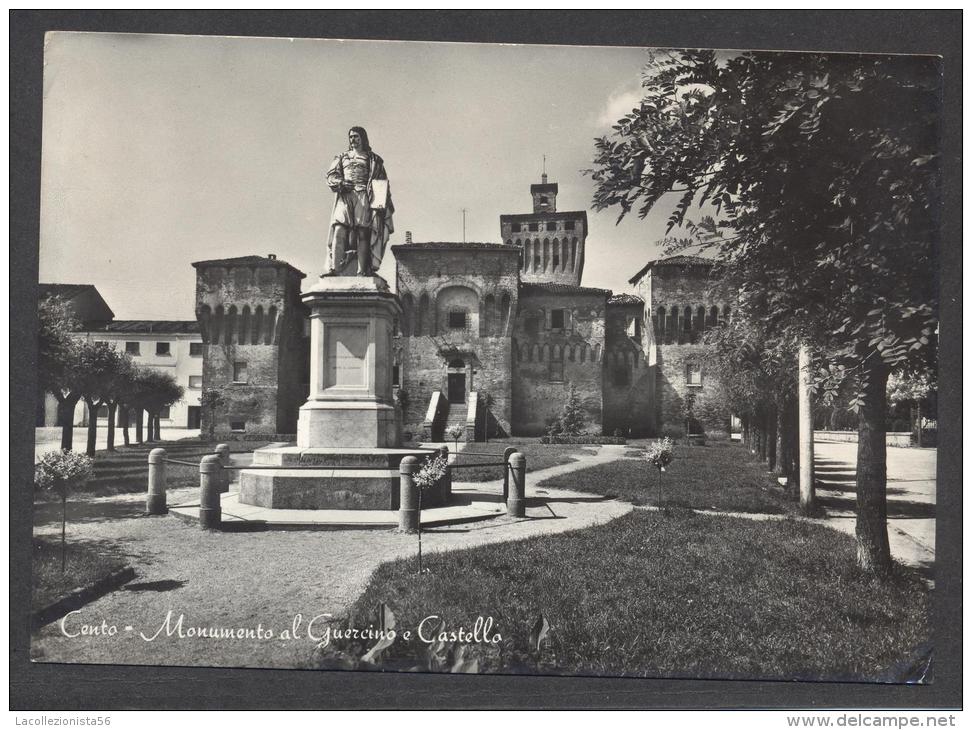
(172, 346)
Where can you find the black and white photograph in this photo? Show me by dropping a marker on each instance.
(488, 359)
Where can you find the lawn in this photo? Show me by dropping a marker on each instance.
(719, 476)
(84, 565)
(538, 456)
(125, 470)
(671, 593)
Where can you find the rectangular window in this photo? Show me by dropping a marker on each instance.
(164, 413)
(568, 225)
(162, 348)
(534, 226)
(515, 227)
(195, 381)
(238, 426)
(457, 320)
(132, 348)
(195, 349)
(239, 372)
(693, 374)
(396, 374)
(551, 225)
(557, 319)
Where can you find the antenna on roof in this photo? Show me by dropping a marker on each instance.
(543, 176)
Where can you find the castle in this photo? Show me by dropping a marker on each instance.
(491, 337)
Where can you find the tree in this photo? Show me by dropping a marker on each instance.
(572, 419)
(58, 362)
(101, 377)
(62, 472)
(823, 171)
(157, 390)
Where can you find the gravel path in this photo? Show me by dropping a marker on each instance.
(242, 580)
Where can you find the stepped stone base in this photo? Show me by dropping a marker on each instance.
(348, 478)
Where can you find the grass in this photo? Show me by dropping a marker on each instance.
(719, 476)
(125, 470)
(538, 456)
(669, 593)
(84, 565)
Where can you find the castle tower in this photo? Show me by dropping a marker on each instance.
(552, 242)
(254, 348)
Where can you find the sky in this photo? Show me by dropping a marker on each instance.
(163, 150)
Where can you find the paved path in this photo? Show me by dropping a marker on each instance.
(911, 497)
(245, 579)
(49, 439)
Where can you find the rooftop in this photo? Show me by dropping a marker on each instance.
(625, 299)
(544, 216)
(152, 326)
(270, 260)
(554, 288)
(672, 261)
(65, 291)
(428, 245)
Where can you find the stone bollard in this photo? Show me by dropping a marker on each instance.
(507, 453)
(447, 479)
(210, 510)
(155, 502)
(408, 495)
(223, 452)
(516, 499)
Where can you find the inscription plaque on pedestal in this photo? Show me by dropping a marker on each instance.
(346, 356)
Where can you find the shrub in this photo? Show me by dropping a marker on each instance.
(62, 472)
(660, 453)
(582, 438)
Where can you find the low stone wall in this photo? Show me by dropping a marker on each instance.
(894, 438)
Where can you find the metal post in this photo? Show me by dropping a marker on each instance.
(408, 496)
(223, 452)
(155, 502)
(507, 453)
(516, 499)
(210, 511)
(447, 479)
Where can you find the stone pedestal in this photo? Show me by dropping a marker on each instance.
(350, 427)
(350, 401)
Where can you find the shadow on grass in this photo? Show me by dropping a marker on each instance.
(158, 586)
(49, 513)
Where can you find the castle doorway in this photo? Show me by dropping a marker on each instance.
(456, 381)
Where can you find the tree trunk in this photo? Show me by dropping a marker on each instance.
(807, 494)
(873, 551)
(918, 418)
(139, 413)
(779, 446)
(771, 437)
(158, 427)
(92, 427)
(125, 417)
(65, 414)
(112, 410)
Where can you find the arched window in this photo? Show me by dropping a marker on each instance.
(700, 319)
(660, 322)
(204, 315)
(546, 254)
(504, 313)
(488, 318)
(597, 353)
(714, 317)
(257, 325)
(408, 314)
(422, 324)
(271, 333)
(726, 313)
(687, 320)
(570, 354)
(537, 260)
(245, 324)
(218, 324)
(556, 254)
(231, 333)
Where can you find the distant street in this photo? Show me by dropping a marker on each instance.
(911, 497)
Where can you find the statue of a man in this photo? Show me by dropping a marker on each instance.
(361, 221)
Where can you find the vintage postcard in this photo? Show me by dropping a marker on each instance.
(493, 359)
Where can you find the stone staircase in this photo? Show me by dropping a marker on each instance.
(456, 417)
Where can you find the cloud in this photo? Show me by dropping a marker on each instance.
(618, 104)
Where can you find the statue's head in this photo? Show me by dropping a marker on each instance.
(360, 136)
